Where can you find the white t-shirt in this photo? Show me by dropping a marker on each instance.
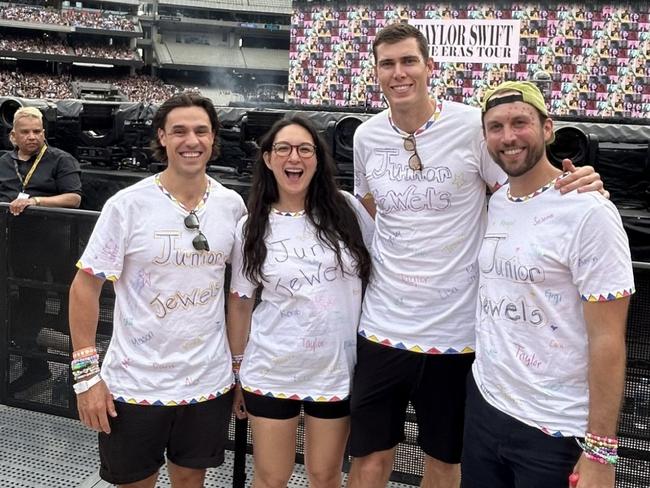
(302, 342)
(169, 343)
(429, 225)
(540, 258)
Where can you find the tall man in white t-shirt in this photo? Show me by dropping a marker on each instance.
(166, 380)
(421, 169)
(555, 278)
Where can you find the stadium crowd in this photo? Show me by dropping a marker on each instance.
(138, 88)
(33, 85)
(32, 44)
(88, 50)
(49, 45)
(71, 17)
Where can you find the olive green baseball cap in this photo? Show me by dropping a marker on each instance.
(527, 92)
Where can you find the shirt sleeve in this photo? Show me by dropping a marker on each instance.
(239, 284)
(361, 187)
(239, 211)
(493, 176)
(68, 175)
(600, 259)
(104, 253)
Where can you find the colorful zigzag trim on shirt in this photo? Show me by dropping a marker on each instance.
(99, 274)
(172, 403)
(416, 348)
(539, 191)
(609, 297)
(308, 398)
(299, 213)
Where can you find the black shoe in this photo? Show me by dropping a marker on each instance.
(30, 377)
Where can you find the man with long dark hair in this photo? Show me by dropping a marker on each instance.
(166, 380)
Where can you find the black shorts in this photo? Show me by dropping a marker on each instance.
(284, 408)
(194, 436)
(386, 379)
(502, 452)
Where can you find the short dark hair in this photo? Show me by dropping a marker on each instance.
(395, 33)
(186, 99)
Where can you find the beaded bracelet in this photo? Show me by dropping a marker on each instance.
(603, 450)
(236, 365)
(85, 373)
(601, 440)
(84, 362)
(84, 352)
(84, 367)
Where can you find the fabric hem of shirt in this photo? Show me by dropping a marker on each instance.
(397, 344)
(295, 396)
(527, 422)
(125, 398)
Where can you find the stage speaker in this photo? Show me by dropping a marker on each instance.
(340, 135)
(574, 144)
(98, 124)
(625, 170)
(637, 226)
(256, 123)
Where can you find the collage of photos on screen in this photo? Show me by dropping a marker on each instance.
(598, 59)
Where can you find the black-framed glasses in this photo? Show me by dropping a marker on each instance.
(200, 242)
(415, 163)
(283, 149)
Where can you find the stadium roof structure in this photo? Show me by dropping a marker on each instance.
(257, 6)
(198, 57)
(181, 21)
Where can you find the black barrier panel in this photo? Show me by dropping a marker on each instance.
(38, 252)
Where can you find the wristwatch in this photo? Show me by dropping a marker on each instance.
(37, 201)
(83, 386)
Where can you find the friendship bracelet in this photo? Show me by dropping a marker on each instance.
(84, 371)
(83, 362)
(600, 449)
(84, 352)
(236, 365)
(601, 440)
(85, 367)
(79, 375)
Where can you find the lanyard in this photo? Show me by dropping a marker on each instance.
(28, 177)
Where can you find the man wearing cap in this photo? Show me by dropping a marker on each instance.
(421, 169)
(555, 278)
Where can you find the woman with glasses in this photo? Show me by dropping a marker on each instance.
(302, 246)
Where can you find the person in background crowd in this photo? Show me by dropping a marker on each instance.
(421, 167)
(302, 245)
(555, 279)
(34, 174)
(165, 386)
